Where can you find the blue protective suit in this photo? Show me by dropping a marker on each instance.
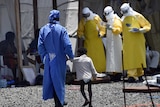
(53, 46)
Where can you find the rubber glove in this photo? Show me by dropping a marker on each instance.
(142, 30)
(83, 37)
(71, 59)
(134, 30)
(52, 56)
(44, 59)
(99, 35)
(109, 27)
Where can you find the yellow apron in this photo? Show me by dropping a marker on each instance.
(93, 43)
(134, 56)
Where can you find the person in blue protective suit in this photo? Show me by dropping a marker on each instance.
(54, 47)
(134, 25)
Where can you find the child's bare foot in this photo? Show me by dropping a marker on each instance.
(85, 103)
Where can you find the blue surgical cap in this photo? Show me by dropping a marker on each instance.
(54, 16)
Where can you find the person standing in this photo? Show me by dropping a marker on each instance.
(134, 26)
(54, 47)
(90, 29)
(113, 44)
(85, 72)
(32, 50)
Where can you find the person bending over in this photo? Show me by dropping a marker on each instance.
(85, 72)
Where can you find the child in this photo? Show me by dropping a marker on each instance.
(85, 72)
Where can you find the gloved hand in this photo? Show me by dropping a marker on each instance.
(109, 27)
(134, 30)
(142, 30)
(44, 59)
(83, 37)
(52, 56)
(71, 59)
(101, 36)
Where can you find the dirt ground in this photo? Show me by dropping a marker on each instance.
(104, 95)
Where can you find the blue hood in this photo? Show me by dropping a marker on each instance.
(54, 16)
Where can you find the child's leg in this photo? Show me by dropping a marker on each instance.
(90, 93)
(82, 84)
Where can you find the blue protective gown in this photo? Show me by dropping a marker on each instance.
(53, 39)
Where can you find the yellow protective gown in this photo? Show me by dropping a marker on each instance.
(134, 44)
(91, 29)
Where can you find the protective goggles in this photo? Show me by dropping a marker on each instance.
(107, 13)
(86, 15)
(124, 11)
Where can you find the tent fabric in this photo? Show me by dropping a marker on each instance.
(7, 17)
(69, 16)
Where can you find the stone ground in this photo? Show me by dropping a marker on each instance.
(104, 95)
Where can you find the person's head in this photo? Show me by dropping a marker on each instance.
(108, 12)
(10, 36)
(54, 16)
(126, 9)
(86, 12)
(81, 51)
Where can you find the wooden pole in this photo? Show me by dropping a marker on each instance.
(54, 4)
(18, 38)
(35, 15)
(80, 6)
